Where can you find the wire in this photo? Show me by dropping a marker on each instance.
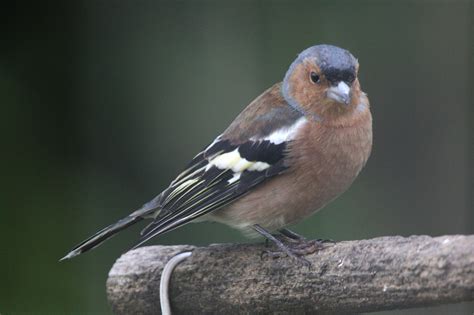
(165, 281)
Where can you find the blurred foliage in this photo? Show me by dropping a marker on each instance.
(102, 103)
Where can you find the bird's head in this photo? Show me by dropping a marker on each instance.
(322, 80)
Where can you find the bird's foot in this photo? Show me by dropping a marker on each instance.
(287, 251)
(293, 237)
(299, 249)
(326, 241)
(292, 245)
(286, 236)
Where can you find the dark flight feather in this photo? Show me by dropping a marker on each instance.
(203, 188)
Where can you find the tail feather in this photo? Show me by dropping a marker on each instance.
(99, 237)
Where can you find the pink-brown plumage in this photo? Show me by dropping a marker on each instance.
(325, 158)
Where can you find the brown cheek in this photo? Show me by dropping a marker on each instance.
(304, 91)
(355, 93)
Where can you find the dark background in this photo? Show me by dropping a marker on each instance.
(103, 102)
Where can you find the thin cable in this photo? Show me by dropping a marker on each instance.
(165, 281)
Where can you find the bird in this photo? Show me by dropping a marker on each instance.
(290, 152)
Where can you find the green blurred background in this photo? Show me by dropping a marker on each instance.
(103, 102)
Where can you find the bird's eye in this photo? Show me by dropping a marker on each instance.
(314, 77)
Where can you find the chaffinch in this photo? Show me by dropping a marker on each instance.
(295, 148)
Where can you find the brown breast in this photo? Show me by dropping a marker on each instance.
(324, 163)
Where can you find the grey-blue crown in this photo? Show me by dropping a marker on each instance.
(337, 64)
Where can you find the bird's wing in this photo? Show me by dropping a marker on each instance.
(250, 151)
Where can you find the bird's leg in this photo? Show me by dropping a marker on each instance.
(301, 245)
(267, 242)
(295, 237)
(291, 236)
(281, 246)
(285, 235)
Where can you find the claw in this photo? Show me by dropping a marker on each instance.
(310, 247)
(280, 254)
(322, 240)
(296, 246)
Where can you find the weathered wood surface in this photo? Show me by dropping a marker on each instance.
(354, 276)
